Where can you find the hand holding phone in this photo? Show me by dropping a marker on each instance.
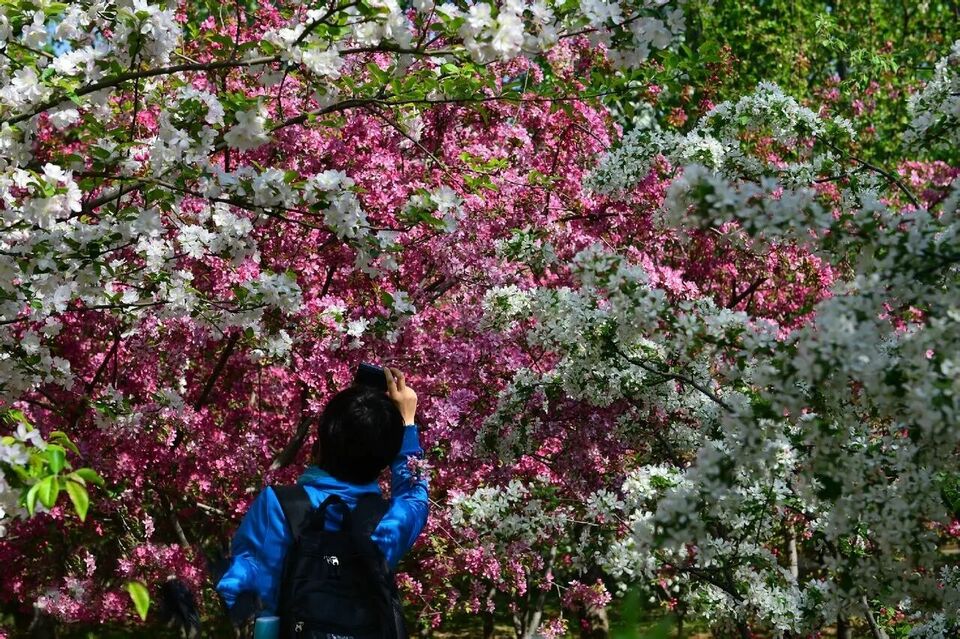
(402, 395)
(393, 383)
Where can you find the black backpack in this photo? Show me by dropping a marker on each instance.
(336, 584)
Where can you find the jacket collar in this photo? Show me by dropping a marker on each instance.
(316, 477)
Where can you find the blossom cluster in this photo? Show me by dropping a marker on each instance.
(935, 110)
(786, 476)
(720, 363)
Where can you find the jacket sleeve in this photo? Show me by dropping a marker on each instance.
(257, 553)
(409, 503)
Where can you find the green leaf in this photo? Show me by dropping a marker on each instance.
(55, 8)
(32, 498)
(141, 598)
(79, 497)
(48, 489)
(56, 458)
(61, 437)
(88, 474)
(15, 415)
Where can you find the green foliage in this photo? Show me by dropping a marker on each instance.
(634, 622)
(46, 473)
(141, 598)
(950, 490)
(857, 58)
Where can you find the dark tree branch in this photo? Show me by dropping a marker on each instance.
(286, 456)
(678, 377)
(876, 169)
(217, 371)
(120, 78)
(92, 384)
(739, 297)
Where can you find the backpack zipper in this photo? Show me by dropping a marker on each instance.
(334, 563)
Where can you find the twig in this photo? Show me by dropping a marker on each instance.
(217, 370)
(680, 378)
(876, 169)
(875, 629)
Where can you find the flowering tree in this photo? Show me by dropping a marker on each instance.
(787, 479)
(213, 211)
(206, 211)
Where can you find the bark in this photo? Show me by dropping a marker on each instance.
(875, 629)
(487, 615)
(594, 623)
(526, 626)
(42, 626)
(594, 620)
(289, 453)
(487, 625)
(844, 630)
(792, 555)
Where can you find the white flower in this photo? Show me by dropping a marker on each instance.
(35, 32)
(508, 38)
(24, 88)
(27, 435)
(599, 12)
(446, 199)
(249, 132)
(62, 118)
(323, 62)
(357, 327)
(478, 18)
(402, 304)
(54, 173)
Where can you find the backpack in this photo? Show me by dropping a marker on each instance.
(336, 584)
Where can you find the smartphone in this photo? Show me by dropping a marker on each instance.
(370, 375)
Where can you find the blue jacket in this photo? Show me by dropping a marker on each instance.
(261, 541)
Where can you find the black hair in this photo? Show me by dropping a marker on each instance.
(359, 434)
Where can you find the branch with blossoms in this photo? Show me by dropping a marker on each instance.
(177, 176)
(806, 429)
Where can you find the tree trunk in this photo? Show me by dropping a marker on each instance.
(42, 626)
(844, 631)
(487, 625)
(594, 623)
(594, 620)
(527, 622)
(487, 614)
(792, 555)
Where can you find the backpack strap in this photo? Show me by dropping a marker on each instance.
(295, 504)
(367, 514)
(297, 508)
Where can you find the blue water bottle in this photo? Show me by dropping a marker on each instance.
(266, 628)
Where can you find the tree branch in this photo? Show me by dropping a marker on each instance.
(875, 629)
(217, 370)
(678, 377)
(876, 169)
(120, 78)
(736, 299)
(286, 456)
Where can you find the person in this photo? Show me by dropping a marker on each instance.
(362, 430)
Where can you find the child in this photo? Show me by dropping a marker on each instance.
(361, 432)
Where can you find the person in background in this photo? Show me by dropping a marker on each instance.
(362, 431)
